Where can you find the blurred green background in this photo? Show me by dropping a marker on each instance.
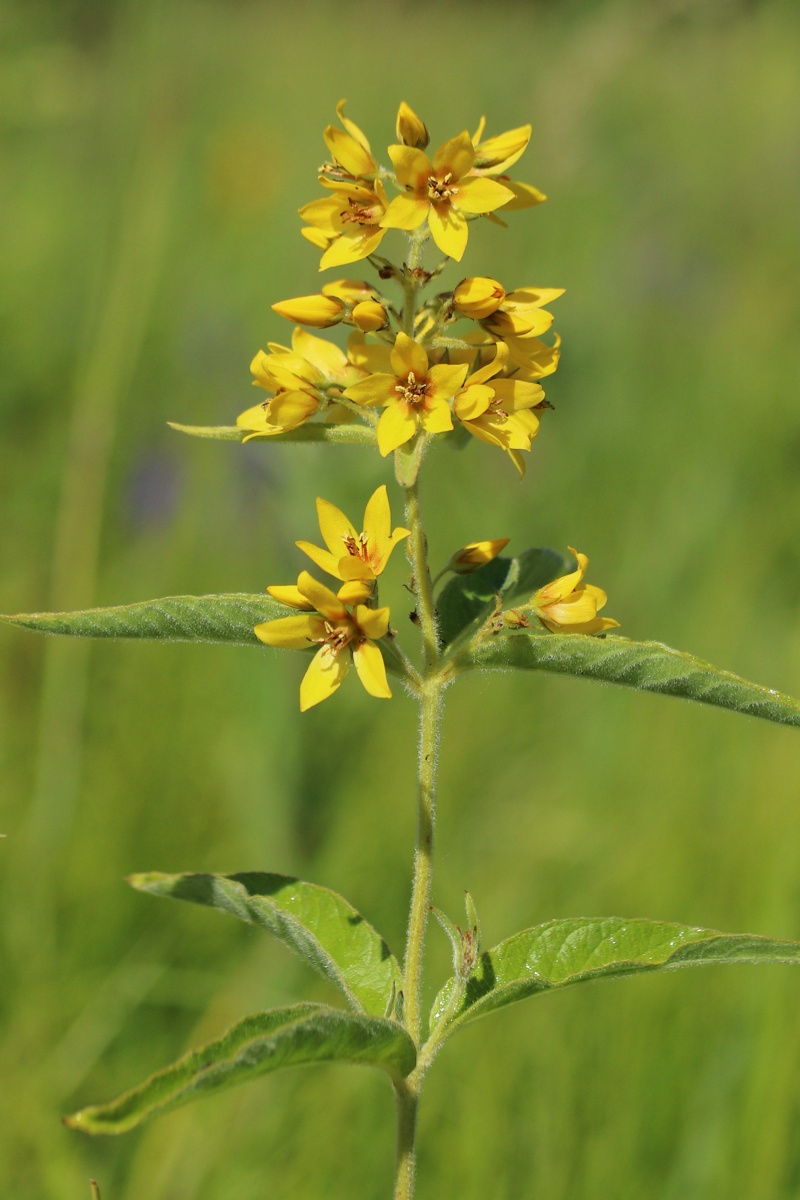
(153, 156)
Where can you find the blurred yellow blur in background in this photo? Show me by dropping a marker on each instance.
(152, 159)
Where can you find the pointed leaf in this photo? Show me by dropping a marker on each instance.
(257, 1045)
(561, 953)
(316, 923)
(355, 434)
(226, 618)
(466, 600)
(648, 666)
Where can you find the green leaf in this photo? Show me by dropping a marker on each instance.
(648, 666)
(468, 599)
(347, 434)
(257, 1045)
(561, 953)
(228, 618)
(316, 923)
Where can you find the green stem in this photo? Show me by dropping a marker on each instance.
(423, 586)
(407, 1103)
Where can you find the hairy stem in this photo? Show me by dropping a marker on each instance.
(430, 693)
(407, 1102)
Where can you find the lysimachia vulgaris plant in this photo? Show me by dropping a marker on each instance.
(418, 367)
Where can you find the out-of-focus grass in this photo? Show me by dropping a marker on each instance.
(152, 159)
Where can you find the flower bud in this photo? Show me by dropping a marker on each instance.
(369, 315)
(475, 555)
(317, 311)
(410, 130)
(478, 297)
(352, 291)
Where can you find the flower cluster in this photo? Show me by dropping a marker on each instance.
(464, 362)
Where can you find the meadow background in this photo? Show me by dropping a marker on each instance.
(152, 159)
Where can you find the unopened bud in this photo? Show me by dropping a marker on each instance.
(369, 315)
(352, 291)
(478, 297)
(411, 130)
(317, 311)
(476, 554)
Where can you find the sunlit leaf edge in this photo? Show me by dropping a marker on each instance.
(361, 965)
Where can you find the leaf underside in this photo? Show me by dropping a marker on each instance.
(264, 1042)
(314, 922)
(561, 953)
(646, 666)
(467, 600)
(226, 618)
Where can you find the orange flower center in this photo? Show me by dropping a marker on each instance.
(357, 547)
(359, 214)
(440, 190)
(337, 636)
(413, 391)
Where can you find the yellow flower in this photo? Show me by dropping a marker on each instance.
(414, 395)
(475, 554)
(303, 379)
(496, 154)
(346, 224)
(411, 131)
(442, 191)
(369, 315)
(568, 605)
(504, 314)
(343, 635)
(499, 412)
(352, 555)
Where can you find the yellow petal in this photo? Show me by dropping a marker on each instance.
(325, 673)
(316, 237)
(518, 461)
(353, 567)
(410, 129)
(498, 153)
(291, 633)
(456, 155)
(407, 356)
(436, 417)
(290, 595)
(376, 360)
(353, 291)
(448, 228)
(378, 517)
(323, 559)
(372, 670)
(374, 390)
(480, 195)
(412, 167)
(519, 323)
(524, 195)
(355, 591)
(373, 622)
(351, 247)
(531, 297)
(334, 527)
(396, 427)
(351, 126)
(253, 418)
(328, 360)
(406, 212)
(349, 153)
(446, 379)
(516, 395)
(322, 598)
(473, 401)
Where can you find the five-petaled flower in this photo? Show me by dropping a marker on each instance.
(568, 605)
(352, 555)
(444, 191)
(343, 633)
(414, 395)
